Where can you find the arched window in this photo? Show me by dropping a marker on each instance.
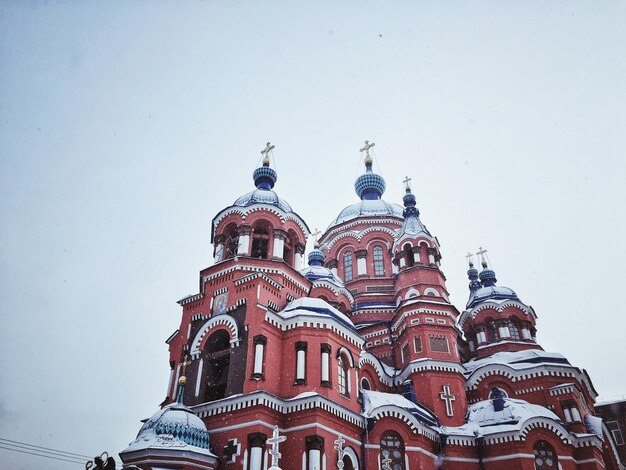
(408, 254)
(342, 374)
(379, 267)
(365, 384)
(216, 355)
(492, 332)
(347, 266)
(545, 456)
(392, 447)
(260, 240)
(231, 243)
(514, 329)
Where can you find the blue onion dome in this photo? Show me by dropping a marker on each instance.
(369, 185)
(264, 177)
(487, 276)
(316, 257)
(472, 275)
(409, 203)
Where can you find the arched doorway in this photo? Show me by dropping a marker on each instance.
(216, 355)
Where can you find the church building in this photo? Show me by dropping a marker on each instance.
(355, 359)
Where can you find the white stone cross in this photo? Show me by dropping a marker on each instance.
(274, 441)
(266, 151)
(387, 464)
(366, 148)
(470, 258)
(340, 452)
(448, 397)
(481, 252)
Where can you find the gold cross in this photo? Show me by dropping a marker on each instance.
(469, 257)
(184, 364)
(481, 252)
(366, 148)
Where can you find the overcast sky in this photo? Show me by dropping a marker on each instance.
(126, 126)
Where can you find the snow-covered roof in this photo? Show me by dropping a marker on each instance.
(373, 400)
(311, 306)
(174, 427)
(367, 208)
(313, 273)
(263, 196)
(492, 293)
(518, 359)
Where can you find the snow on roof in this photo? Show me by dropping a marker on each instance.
(312, 306)
(594, 425)
(482, 419)
(367, 208)
(263, 196)
(518, 359)
(373, 400)
(314, 273)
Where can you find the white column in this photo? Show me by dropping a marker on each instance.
(325, 367)
(402, 262)
(349, 381)
(504, 332)
(360, 266)
(219, 253)
(394, 268)
(575, 414)
(431, 259)
(279, 247)
(480, 337)
(256, 458)
(526, 333)
(300, 364)
(258, 358)
(199, 376)
(169, 383)
(568, 416)
(244, 244)
(297, 261)
(314, 460)
(471, 346)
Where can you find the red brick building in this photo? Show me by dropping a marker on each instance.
(361, 344)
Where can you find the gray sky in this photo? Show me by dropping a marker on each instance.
(126, 126)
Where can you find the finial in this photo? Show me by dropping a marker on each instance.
(182, 379)
(265, 152)
(366, 148)
(407, 186)
(470, 259)
(315, 234)
(274, 452)
(481, 252)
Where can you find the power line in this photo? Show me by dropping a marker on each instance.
(34, 447)
(43, 455)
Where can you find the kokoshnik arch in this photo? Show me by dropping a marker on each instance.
(361, 346)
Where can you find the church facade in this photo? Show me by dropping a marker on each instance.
(358, 359)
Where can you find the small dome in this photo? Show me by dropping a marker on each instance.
(264, 177)
(173, 427)
(369, 186)
(263, 196)
(369, 208)
(316, 257)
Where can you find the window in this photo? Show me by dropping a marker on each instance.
(260, 241)
(438, 343)
(347, 266)
(492, 333)
(379, 268)
(417, 344)
(405, 352)
(545, 457)
(365, 384)
(613, 426)
(216, 355)
(342, 373)
(514, 330)
(231, 243)
(408, 254)
(392, 448)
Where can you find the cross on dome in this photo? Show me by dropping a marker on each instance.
(366, 148)
(470, 258)
(265, 152)
(481, 252)
(406, 182)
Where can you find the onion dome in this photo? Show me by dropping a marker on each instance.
(316, 270)
(472, 274)
(487, 276)
(316, 257)
(412, 224)
(264, 179)
(369, 185)
(173, 428)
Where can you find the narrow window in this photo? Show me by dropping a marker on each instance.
(379, 268)
(342, 376)
(405, 352)
(613, 426)
(408, 254)
(492, 332)
(365, 384)
(260, 241)
(417, 344)
(347, 266)
(514, 330)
